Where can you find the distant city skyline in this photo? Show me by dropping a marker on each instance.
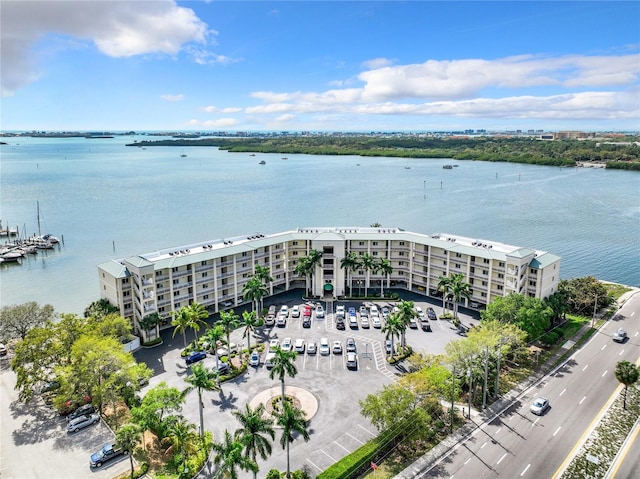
(164, 65)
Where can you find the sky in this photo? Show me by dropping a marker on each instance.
(93, 65)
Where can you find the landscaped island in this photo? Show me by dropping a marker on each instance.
(621, 154)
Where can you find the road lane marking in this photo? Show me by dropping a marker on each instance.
(499, 429)
(621, 353)
(585, 368)
(563, 391)
(602, 348)
(557, 431)
(604, 373)
(622, 454)
(635, 334)
(465, 462)
(354, 438)
(534, 422)
(500, 460)
(483, 445)
(582, 400)
(525, 470)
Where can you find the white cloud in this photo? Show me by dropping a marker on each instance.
(376, 63)
(214, 109)
(118, 29)
(179, 97)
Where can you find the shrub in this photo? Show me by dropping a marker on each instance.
(273, 474)
(550, 338)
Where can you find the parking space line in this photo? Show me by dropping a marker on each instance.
(323, 452)
(354, 438)
(365, 429)
(318, 468)
(341, 446)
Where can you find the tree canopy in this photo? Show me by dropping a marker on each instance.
(531, 315)
(16, 321)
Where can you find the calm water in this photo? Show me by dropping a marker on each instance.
(110, 201)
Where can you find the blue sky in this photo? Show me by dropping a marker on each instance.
(320, 66)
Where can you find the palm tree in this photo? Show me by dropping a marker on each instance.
(197, 314)
(307, 265)
(127, 438)
(254, 290)
(229, 321)
(302, 270)
(254, 426)
(201, 379)
(384, 266)
(406, 313)
(229, 457)
(291, 419)
(392, 327)
(150, 321)
(284, 364)
(180, 437)
(350, 263)
(459, 290)
(264, 275)
(213, 335)
(367, 263)
(251, 323)
(181, 321)
(627, 373)
(444, 286)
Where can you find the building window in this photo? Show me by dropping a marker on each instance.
(400, 253)
(458, 255)
(278, 276)
(485, 272)
(176, 306)
(458, 266)
(295, 253)
(205, 286)
(500, 276)
(125, 281)
(375, 253)
(483, 294)
(501, 264)
(205, 274)
(473, 258)
(244, 265)
(400, 263)
(244, 254)
(203, 263)
(160, 297)
(401, 243)
(444, 262)
(174, 270)
(361, 243)
(532, 283)
(472, 270)
(278, 266)
(223, 259)
(278, 246)
(176, 281)
(485, 261)
(499, 287)
(245, 275)
(484, 283)
(295, 243)
(176, 293)
(206, 296)
(375, 243)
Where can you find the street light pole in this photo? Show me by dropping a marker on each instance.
(498, 369)
(470, 374)
(595, 308)
(453, 395)
(486, 377)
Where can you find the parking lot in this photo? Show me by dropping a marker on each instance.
(337, 428)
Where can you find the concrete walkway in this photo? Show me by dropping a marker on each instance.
(308, 402)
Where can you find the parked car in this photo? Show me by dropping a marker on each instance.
(324, 347)
(225, 351)
(299, 346)
(268, 362)
(273, 344)
(70, 405)
(340, 313)
(364, 322)
(431, 314)
(254, 359)
(351, 345)
(312, 348)
(373, 310)
(306, 322)
(337, 347)
(426, 327)
(281, 322)
(620, 336)
(413, 323)
(287, 345)
(388, 347)
(3, 350)
(340, 323)
(295, 311)
(195, 356)
(284, 310)
(376, 322)
(352, 311)
(385, 312)
(319, 311)
(81, 411)
(80, 422)
(270, 320)
(363, 312)
(222, 368)
(107, 453)
(353, 322)
(420, 312)
(539, 406)
(352, 361)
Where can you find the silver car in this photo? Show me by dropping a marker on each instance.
(82, 421)
(539, 406)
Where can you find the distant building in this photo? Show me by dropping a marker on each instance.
(213, 273)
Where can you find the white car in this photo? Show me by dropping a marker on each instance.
(268, 362)
(254, 359)
(324, 347)
(413, 324)
(284, 310)
(312, 347)
(299, 346)
(337, 347)
(281, 322)
(295, 311)
(224, 350)
(364, 322)
(319, 311)
(273, 345)
(374, 310)
(419, 312)
(340, 313)
(287, 345)
(375, 322)
(352, 361)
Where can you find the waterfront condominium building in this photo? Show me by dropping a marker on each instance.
(213, 273)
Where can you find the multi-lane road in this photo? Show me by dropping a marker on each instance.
(518, 444)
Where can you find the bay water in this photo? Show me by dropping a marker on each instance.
(110, 201)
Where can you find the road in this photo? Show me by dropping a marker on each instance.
(517, 443)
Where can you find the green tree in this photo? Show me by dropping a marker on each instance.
(150, 322)
(191, 316)
(389, 408)
(292, 420)
(127, 438)
(109, 325)
(444, 286)
(201, 379)
(159, 403)
(181, 321)
(255, 427)
(251, 324)
(100, 308)
(627, 373)
(198, 315)
(213, 336)
(350, 263)
(283, 365)
(459, 290)
(367, 263)
(392, 328)
(229, 458)
(406, 313)
(585, 295)
(229, 321)
(254, 290)
(16, 321)
(383, 266)
(531, 315)
(306, 267)
(180, 438)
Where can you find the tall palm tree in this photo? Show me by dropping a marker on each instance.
(127, 438)
(251, 323)
(229, 321)
(302, 269)
(627, 373)
(201, 379)
(197, 314)
(307, 265)
(150, 321)
(367, 263)
(350, 263)
(384, 266)
(283, 364)
(263, 274)
(181, 321)
(391, 329)
(254, 290)
(252, 433)
(444, 286)
(292, 420)
(180, 437)
(213, 335)
(405, 314)
(229, 458)
(459, 290)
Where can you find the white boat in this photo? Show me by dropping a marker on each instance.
(8, 231)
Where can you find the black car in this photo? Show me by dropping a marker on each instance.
(426, 327)
(81, 411)
(109, 452)
(431, 314)
(340, 323)
(351, 345)
(222, 368)
(195, 356)
(306, 322)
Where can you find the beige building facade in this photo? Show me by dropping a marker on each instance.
(213, 273)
